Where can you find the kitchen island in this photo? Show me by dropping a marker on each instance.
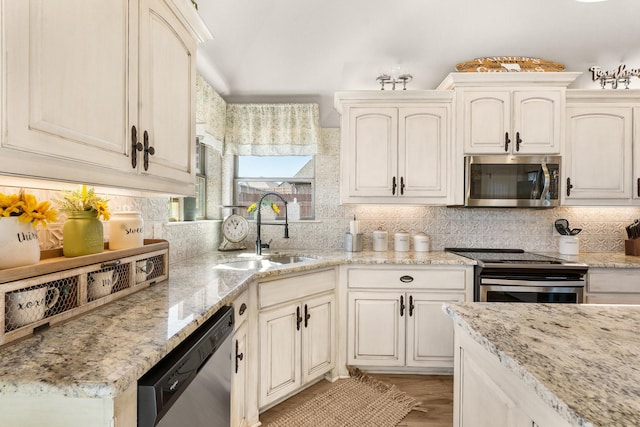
(546, 364)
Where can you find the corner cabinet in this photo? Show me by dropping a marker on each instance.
(297, 333)
(104, 95)
(395, 147)
(602, 152)
(395, 316)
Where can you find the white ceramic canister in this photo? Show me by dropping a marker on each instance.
(380, 240)
(569, 245)
(421, 242)
(126, 230)
(401, 241)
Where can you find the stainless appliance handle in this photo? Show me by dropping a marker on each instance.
(578, 291)
(537, 284)
(547, 181)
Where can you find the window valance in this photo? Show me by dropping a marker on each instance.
(272, 129)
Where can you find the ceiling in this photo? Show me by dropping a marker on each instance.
(305, 50)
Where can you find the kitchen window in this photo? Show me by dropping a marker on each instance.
(293, 177)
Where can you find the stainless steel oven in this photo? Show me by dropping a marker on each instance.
(513, 275)
(542, 291)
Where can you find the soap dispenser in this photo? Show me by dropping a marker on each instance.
(293, 210)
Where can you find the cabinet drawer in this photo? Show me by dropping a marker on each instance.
(610, 280)
(240, 309)
(408, 278)
(299, 286)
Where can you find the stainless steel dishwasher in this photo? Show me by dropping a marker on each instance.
(191, 386)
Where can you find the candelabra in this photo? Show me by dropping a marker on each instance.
(394, 79)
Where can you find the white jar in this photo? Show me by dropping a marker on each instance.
(401, 241)
(126, 230)
(421, 242)
(380, 241)
(569, 245)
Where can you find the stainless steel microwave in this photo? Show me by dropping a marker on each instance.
(512, 181)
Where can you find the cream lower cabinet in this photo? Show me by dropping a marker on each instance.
(601, 158)
(391, 327)
(297, 333)
(87, 81)
(613, 286)
(240, 383)
(487, 394)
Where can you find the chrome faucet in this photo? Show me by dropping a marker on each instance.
(259, 224)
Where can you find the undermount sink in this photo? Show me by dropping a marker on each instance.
(262, 262)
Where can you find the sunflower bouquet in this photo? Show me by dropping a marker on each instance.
(27, 208)
(84, 200)
(252, 208)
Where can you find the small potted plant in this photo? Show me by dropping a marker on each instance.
(82, 233)
(20, 214)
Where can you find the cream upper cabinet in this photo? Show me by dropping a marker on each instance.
(512, 121)
(85, 83)
(601, 160)
(395, 149)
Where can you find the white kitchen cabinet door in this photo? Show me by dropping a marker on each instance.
(482, 402)
(598, 155)
(67, 69)
(512, 121)
(376, 329)
(429, 330)
(239, 378)
(371, 168)
(636, 153)
(422, 152)
(166, 81)
(537, 122)
(486, 119)
(87, 80)
(318, 337)
(280, 352)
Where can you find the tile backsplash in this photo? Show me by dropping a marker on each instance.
(529, 229)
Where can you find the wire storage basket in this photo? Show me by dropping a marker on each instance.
(37, 296)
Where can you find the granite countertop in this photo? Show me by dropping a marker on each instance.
(604, 259)
(101, 353)
(580, 359)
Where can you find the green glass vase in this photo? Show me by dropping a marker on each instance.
(82, 234)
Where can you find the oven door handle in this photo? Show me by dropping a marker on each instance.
(532, 283)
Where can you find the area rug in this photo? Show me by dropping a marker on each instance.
(354, 402)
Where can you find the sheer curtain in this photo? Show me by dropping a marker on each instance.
(272, 129)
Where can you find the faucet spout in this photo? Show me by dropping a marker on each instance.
(259, 244)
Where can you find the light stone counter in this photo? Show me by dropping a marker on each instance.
(604, 259)
(102, 353)
(582, 360)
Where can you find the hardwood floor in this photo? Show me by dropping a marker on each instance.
(434, 391)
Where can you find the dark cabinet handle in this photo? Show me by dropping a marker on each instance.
(401, 305)
(518, 141)
(298, 318)
(135, 147)
(307, 316)
(411, 307)
(406, 279)
(242, 309)
(401, 185)
(393, 186)
(148, 151)
(506, 141)
(239, 356)
(638, 187)
(569, 187)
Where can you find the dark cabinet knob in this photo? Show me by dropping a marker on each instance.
(569, 187)
(507, 141)
(135, 147)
